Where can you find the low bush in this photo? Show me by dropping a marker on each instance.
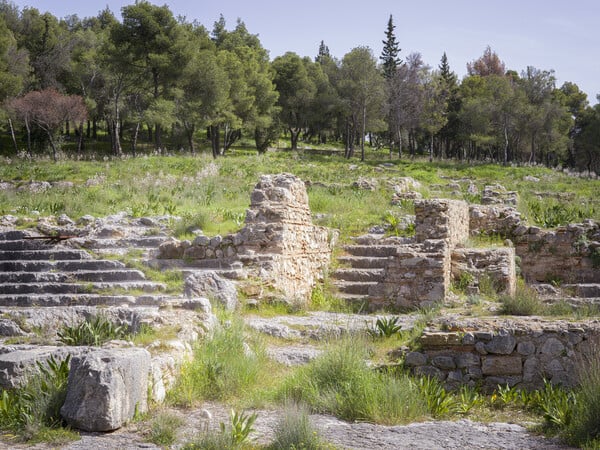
(163, 428)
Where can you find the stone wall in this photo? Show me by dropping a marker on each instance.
(520, 354)
(278, 243)
(494, 219)
(496, 263)
(568, 254)
(442, 219)
(418, 275)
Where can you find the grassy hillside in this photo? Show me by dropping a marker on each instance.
(214, 194)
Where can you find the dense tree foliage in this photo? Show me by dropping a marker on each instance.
(153, 79)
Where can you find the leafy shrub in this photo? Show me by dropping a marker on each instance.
(34, 407)
(295, 431)
(461, 283)
(95, 331)
(550, 214)
(439, 401)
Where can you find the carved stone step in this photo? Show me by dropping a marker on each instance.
(371, 250)
(81, 288)
(92, 300)
(364, 262)
(27, 244)
(584, 290)
(358, 274)
(137, 242)
(354, 287)
(67, 277)
(48, 300)
(36, 255)
(63, 266)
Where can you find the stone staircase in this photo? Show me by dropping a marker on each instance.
(362, 269)
(40, 272)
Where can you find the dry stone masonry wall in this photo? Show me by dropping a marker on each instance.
(278, 243)
(569, 254)
(522, 354)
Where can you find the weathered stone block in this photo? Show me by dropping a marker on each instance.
(502, 344)
(552, 347)
(501, 365)
(106, 388)
(413, 359)
(443, 362)
(210, 284)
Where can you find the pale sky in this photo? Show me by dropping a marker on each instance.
(546, 34)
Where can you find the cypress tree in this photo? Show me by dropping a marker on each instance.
(389, 54)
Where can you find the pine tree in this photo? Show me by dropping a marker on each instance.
(389, 54)
(323, 53)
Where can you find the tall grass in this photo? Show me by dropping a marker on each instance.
(223, 366)
(295, 431)
(34, 408)
(584, 427)
(340, 383)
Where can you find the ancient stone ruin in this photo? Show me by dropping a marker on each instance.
(278, 244)
(418, 272)
(46, 283)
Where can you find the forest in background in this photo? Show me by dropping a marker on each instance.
(155, 82)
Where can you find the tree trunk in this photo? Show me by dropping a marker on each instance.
(189, 131)
(362, 137)
(95, 129)
(28, 128)
(135, 139)
(505, 156)
(80, 139)
(12, 135)
(158, 138)
(294, 134)
(400, 144)
(431, 148)
(52, 145)
(214, 140)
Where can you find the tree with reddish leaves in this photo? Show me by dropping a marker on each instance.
(487, 64)
(48, 110)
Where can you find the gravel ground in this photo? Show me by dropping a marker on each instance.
(463, 434)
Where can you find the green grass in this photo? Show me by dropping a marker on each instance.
(213, 194)
(32, 411)
(340, 383)
(295, 431)
(224, 366)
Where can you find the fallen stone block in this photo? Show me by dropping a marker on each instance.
(106, 388)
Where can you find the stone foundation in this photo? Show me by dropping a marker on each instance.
(522, 354)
